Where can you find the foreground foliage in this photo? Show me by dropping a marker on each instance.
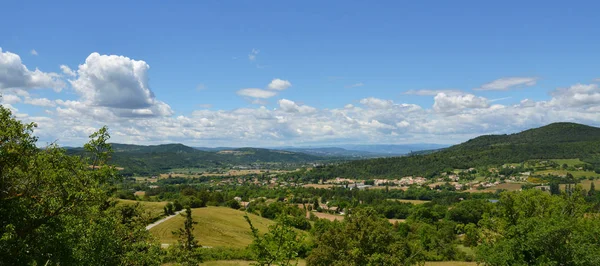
(55, 208)
(535, 228)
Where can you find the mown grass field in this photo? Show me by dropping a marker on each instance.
(576, 174)
(156, 209)
(416, 202)
(569, 162)
(585, 184)
(217, 227)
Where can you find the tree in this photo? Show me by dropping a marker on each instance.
(363, 238)
(592, 191)
(281, 245)
(169, 209)
(534, 228)
(187, 249)
(56, 208)
(554, 188)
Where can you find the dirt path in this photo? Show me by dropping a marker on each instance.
(162, 220)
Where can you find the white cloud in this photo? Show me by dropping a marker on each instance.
(9, 99)
(34, 52)
(119, 83)
(44, 102)
(68, 71)
(377, 103)
(200, 87)
(503, 84)
(444, 103)
(15, 75)
(431, 92)
(253, 54)
(256, 93)
(360, 84)
(279, 84)
(576, 95)
(291, 107)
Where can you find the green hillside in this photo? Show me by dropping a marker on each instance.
(154, 159)
(217, 227)
(554, 141)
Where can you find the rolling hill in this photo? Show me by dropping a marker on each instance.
(554, 141)
(154, 159)
(217, 227)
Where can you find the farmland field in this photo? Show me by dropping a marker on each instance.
(569, 162)
(217, 227)
(585, 184)
(329, 216)
(576, 174)
(411, 201)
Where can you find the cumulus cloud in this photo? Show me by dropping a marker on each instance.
(120, 83)
(15, 75)
(256, 93)
(44, 102)
(279, 84)
(377, 103)
(503, 84)
(291, 107)
(34, 52)
(10, 99)
(444, 103)
(576, 95)
(67, 71)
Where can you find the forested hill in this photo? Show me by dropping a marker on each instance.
(554, 141)
(154, 159)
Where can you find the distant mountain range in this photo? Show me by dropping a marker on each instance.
(353, 150)
(154, 159)
(554, 141)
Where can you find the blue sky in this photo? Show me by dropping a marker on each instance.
(201, 55)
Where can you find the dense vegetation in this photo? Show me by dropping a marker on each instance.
(554, 141)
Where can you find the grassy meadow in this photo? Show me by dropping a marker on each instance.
(217, 227)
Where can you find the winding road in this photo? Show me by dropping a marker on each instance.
(162, 220)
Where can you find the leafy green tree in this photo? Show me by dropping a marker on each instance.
(281, 245)
(363, 238)
(55, 208)
(592, 191)
(187, 250)
(471, 235)
(534, 228)
(554, 188)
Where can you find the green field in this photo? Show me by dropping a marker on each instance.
(576, 174)
(569, 162)
(217, 227)
(585, 184)
(156, 209)
(416, 202)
